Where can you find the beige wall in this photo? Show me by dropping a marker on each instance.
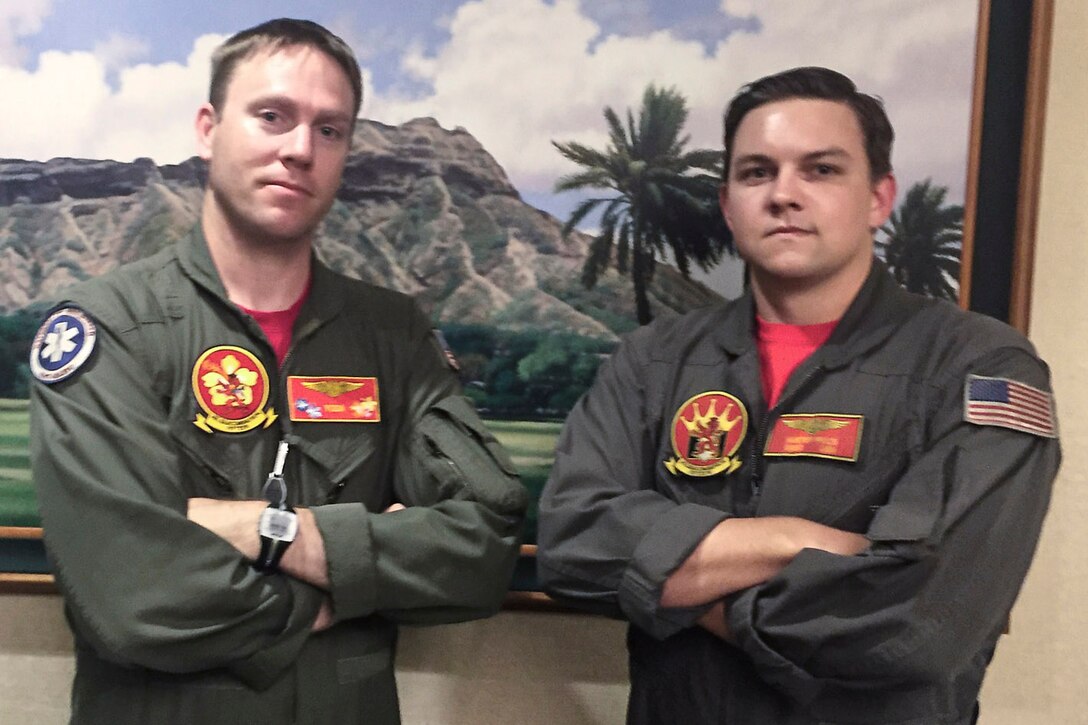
(1040, 674)
(545, 668)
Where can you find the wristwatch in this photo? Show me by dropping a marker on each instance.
(278, 524)
(277, 528)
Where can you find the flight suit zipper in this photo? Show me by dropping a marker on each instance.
(757, 458)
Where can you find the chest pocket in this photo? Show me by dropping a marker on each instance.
(846, 493)
(344, 462)
(221, 465)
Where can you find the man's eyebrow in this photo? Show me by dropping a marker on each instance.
(753, 159)
(334, 117)
(830, 152)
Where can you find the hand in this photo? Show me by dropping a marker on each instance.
(714, 622)
(394, 507)
(325, 617)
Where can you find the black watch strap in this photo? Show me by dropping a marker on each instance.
(272, 547)
(268, 560)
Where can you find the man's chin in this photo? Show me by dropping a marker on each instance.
(284, 231)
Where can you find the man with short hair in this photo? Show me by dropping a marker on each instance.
(250, 468)
(815, 503)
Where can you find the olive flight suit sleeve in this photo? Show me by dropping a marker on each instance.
(949, 551)
(608, 539)
(450, 554)
(145, 586)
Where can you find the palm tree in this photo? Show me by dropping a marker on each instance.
(923, 242)
(666, 198)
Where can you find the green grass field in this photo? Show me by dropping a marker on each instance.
(530, 445)
(17, 506)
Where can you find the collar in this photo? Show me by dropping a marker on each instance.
(326, 298)
(877, 310)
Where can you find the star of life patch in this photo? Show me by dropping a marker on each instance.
(1009, 404)
(62, 345)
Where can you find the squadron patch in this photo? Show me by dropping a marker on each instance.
(707, 431)
(1009, 404)
(63, 343)
(334, 399)
(818, 435)
(231, 386)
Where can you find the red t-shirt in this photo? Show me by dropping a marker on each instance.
(782, 348)
(278, 324)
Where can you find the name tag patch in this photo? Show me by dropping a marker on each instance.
(817, 435)
(334, 399)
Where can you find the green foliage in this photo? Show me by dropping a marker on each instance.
(530, 374)
(664, 200)
(16, 333)
(923, 242)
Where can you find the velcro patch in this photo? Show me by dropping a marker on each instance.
(1009, 404)
(62, 345)
(334, 399)
(818, 435)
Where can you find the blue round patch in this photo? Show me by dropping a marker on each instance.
(63, 343)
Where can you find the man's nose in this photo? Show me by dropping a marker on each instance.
(298, 145)
(786, 190)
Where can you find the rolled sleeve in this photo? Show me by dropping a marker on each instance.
(666, 545)
(349, 552)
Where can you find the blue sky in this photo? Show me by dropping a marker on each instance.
(379, 31)
(122, 78)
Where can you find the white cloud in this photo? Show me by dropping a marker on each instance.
(66, 107)
(739, 8)
(18, 19)
(119, 50)
(520, 73)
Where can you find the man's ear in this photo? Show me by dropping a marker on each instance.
(884, 190)
(207, 120)
(723, 203)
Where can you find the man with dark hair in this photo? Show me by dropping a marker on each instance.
(815, 503)
(251, 469)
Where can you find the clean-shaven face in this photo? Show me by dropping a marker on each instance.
(276, 149)
(799, 197)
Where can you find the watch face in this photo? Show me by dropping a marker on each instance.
(278, 525)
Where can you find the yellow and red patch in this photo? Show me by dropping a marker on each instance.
(334, 399)
(819, 435)
(707, 431)
(231, 386)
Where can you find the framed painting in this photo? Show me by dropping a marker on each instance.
(527, 332)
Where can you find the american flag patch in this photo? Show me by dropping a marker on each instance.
(1009, 404)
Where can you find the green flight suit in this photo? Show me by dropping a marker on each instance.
(171, 624)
